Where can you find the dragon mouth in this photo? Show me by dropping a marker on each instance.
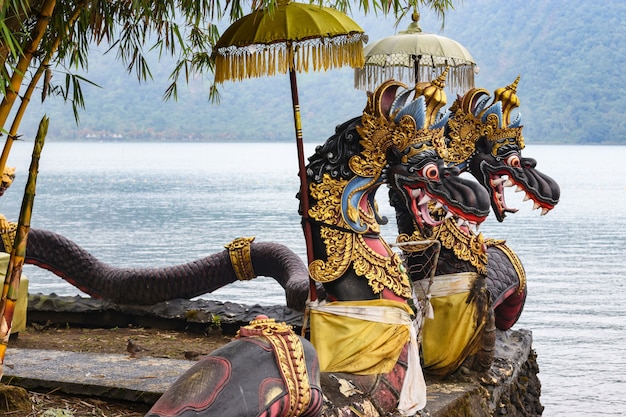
(499, 182)
(431, 212)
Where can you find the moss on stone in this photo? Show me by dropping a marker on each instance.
(13, 399)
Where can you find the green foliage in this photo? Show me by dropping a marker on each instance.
(216, 321)
(35, 35)
(569, 55)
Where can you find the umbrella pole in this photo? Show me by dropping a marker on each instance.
(304, 194)
(416, 67)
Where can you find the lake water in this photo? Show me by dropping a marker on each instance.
(142, 204)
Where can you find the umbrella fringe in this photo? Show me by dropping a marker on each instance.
(458, 81)
(237, 64)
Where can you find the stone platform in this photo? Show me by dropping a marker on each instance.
(510, 388)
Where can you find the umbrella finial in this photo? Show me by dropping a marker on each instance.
(435, 96)
(441, 80)
(414, 26)
(507, 95)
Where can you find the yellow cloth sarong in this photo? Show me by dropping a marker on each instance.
(358, 346)
(367, 337)
(452, 335)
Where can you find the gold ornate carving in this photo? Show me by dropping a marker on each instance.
(465, 128)
(434, 94)
(470, 248)
(239, 252)
(379, 132)
(509, 99)
(290, 359)
(328, 207)
(345, 248)
(464, 131)
(8, 176)
(339, 249)
(8, 237)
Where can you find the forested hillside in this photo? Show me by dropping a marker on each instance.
(570, 56)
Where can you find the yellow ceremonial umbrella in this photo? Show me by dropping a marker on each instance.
(413, 55)
(288, 38)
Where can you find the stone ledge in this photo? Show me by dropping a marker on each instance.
(176, 314)
(509, 388)
(111, 376)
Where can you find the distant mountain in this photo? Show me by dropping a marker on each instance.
(570, 56)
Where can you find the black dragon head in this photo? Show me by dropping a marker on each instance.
(418, 176)
(483, 141)
(434, 192)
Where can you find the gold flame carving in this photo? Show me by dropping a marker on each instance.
(345, 248)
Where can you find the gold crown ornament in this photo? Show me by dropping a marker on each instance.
(472, 119)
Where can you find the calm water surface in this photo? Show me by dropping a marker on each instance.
(163, 204)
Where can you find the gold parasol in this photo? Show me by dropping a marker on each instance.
(412, 55)
(288, 38)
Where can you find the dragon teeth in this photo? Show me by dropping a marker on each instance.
(424, 200)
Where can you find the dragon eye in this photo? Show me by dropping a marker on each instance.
(431, 172)
(513, 161)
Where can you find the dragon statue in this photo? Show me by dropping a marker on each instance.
(354, 268)
(480, 283)
(363, 331)
(363, 290)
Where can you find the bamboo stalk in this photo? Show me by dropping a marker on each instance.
(18, 254)
(25, 60)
